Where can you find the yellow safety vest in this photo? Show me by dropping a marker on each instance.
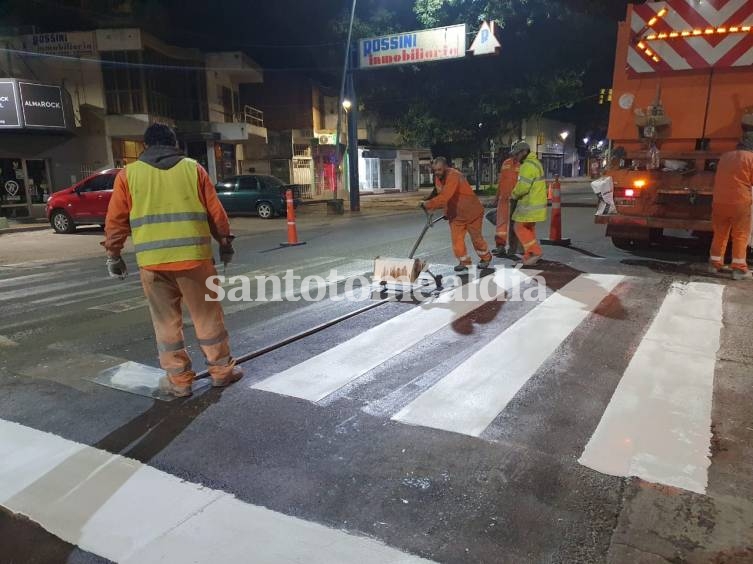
(531, 192)
(168, 221)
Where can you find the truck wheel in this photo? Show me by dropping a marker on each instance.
(62, 222)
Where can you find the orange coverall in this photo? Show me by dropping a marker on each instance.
(508, 178)
(167, 285)
(464, 212)
(731, 210)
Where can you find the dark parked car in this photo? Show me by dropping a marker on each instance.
(257, 194)
(84, 203)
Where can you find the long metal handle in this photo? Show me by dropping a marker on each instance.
(429, 222)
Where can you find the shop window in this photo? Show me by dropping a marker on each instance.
(387, 173)
(369, 178)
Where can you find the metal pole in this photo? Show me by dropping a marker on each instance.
(342, 90)
(355, 188)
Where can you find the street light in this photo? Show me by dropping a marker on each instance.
(586, 140)
(342, 87)
(564, 135)
(347, 104)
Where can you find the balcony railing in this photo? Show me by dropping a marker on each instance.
(250, 115)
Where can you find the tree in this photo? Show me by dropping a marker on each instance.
(554, 58)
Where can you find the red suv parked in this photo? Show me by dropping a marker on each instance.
(84, 203)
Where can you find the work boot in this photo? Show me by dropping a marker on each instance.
(222, 382)
(461, 268)
(483, 264)
(166, 385)
(531, 260)
(742, 274)
(499, 251)
(716, 268)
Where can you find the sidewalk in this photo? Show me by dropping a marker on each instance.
(23, 225)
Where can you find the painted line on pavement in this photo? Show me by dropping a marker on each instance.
(657, 426)
(470, 397)
(321, 375)
(122, 306)
(128, 512)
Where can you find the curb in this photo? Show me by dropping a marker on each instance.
(22, 229)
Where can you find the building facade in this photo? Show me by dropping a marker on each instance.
(554, 143)
(112, 84)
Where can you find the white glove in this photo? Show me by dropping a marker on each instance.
(116, 267)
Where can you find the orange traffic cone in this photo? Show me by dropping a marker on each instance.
(555, 225)
(292, 229)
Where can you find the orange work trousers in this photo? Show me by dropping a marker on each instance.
(730, 220)
(503, 222)
(526, 233)
(166, 291)
(458, 230)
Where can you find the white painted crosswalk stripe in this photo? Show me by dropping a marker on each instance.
(657, 425)
(128, 512)
(469, 398)
(324, 374)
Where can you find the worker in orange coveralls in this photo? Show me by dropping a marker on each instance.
(731, 210)
(508, 178)
(167, 203)
(464, 212)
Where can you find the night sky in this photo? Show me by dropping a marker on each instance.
(284, 35)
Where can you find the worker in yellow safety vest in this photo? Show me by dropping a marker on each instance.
(167, 203)
(530, 194)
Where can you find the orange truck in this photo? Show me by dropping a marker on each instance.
(682, 91)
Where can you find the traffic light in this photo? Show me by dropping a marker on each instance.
(605, 95)
(609, 95)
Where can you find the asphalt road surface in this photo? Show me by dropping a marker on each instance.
(595, 409)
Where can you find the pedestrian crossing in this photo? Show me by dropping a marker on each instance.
(322, 375)
(656, 425)
(120, 509)
(659, 419)
(468, 399)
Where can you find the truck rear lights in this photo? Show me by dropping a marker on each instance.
(629, 193)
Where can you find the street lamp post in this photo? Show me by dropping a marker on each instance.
(340, 107)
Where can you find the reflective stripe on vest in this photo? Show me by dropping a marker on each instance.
(168, 221)
(525, 209)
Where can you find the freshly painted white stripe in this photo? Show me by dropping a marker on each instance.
(469, 398)
(657, 425)
(128, 512)
(325, 373)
